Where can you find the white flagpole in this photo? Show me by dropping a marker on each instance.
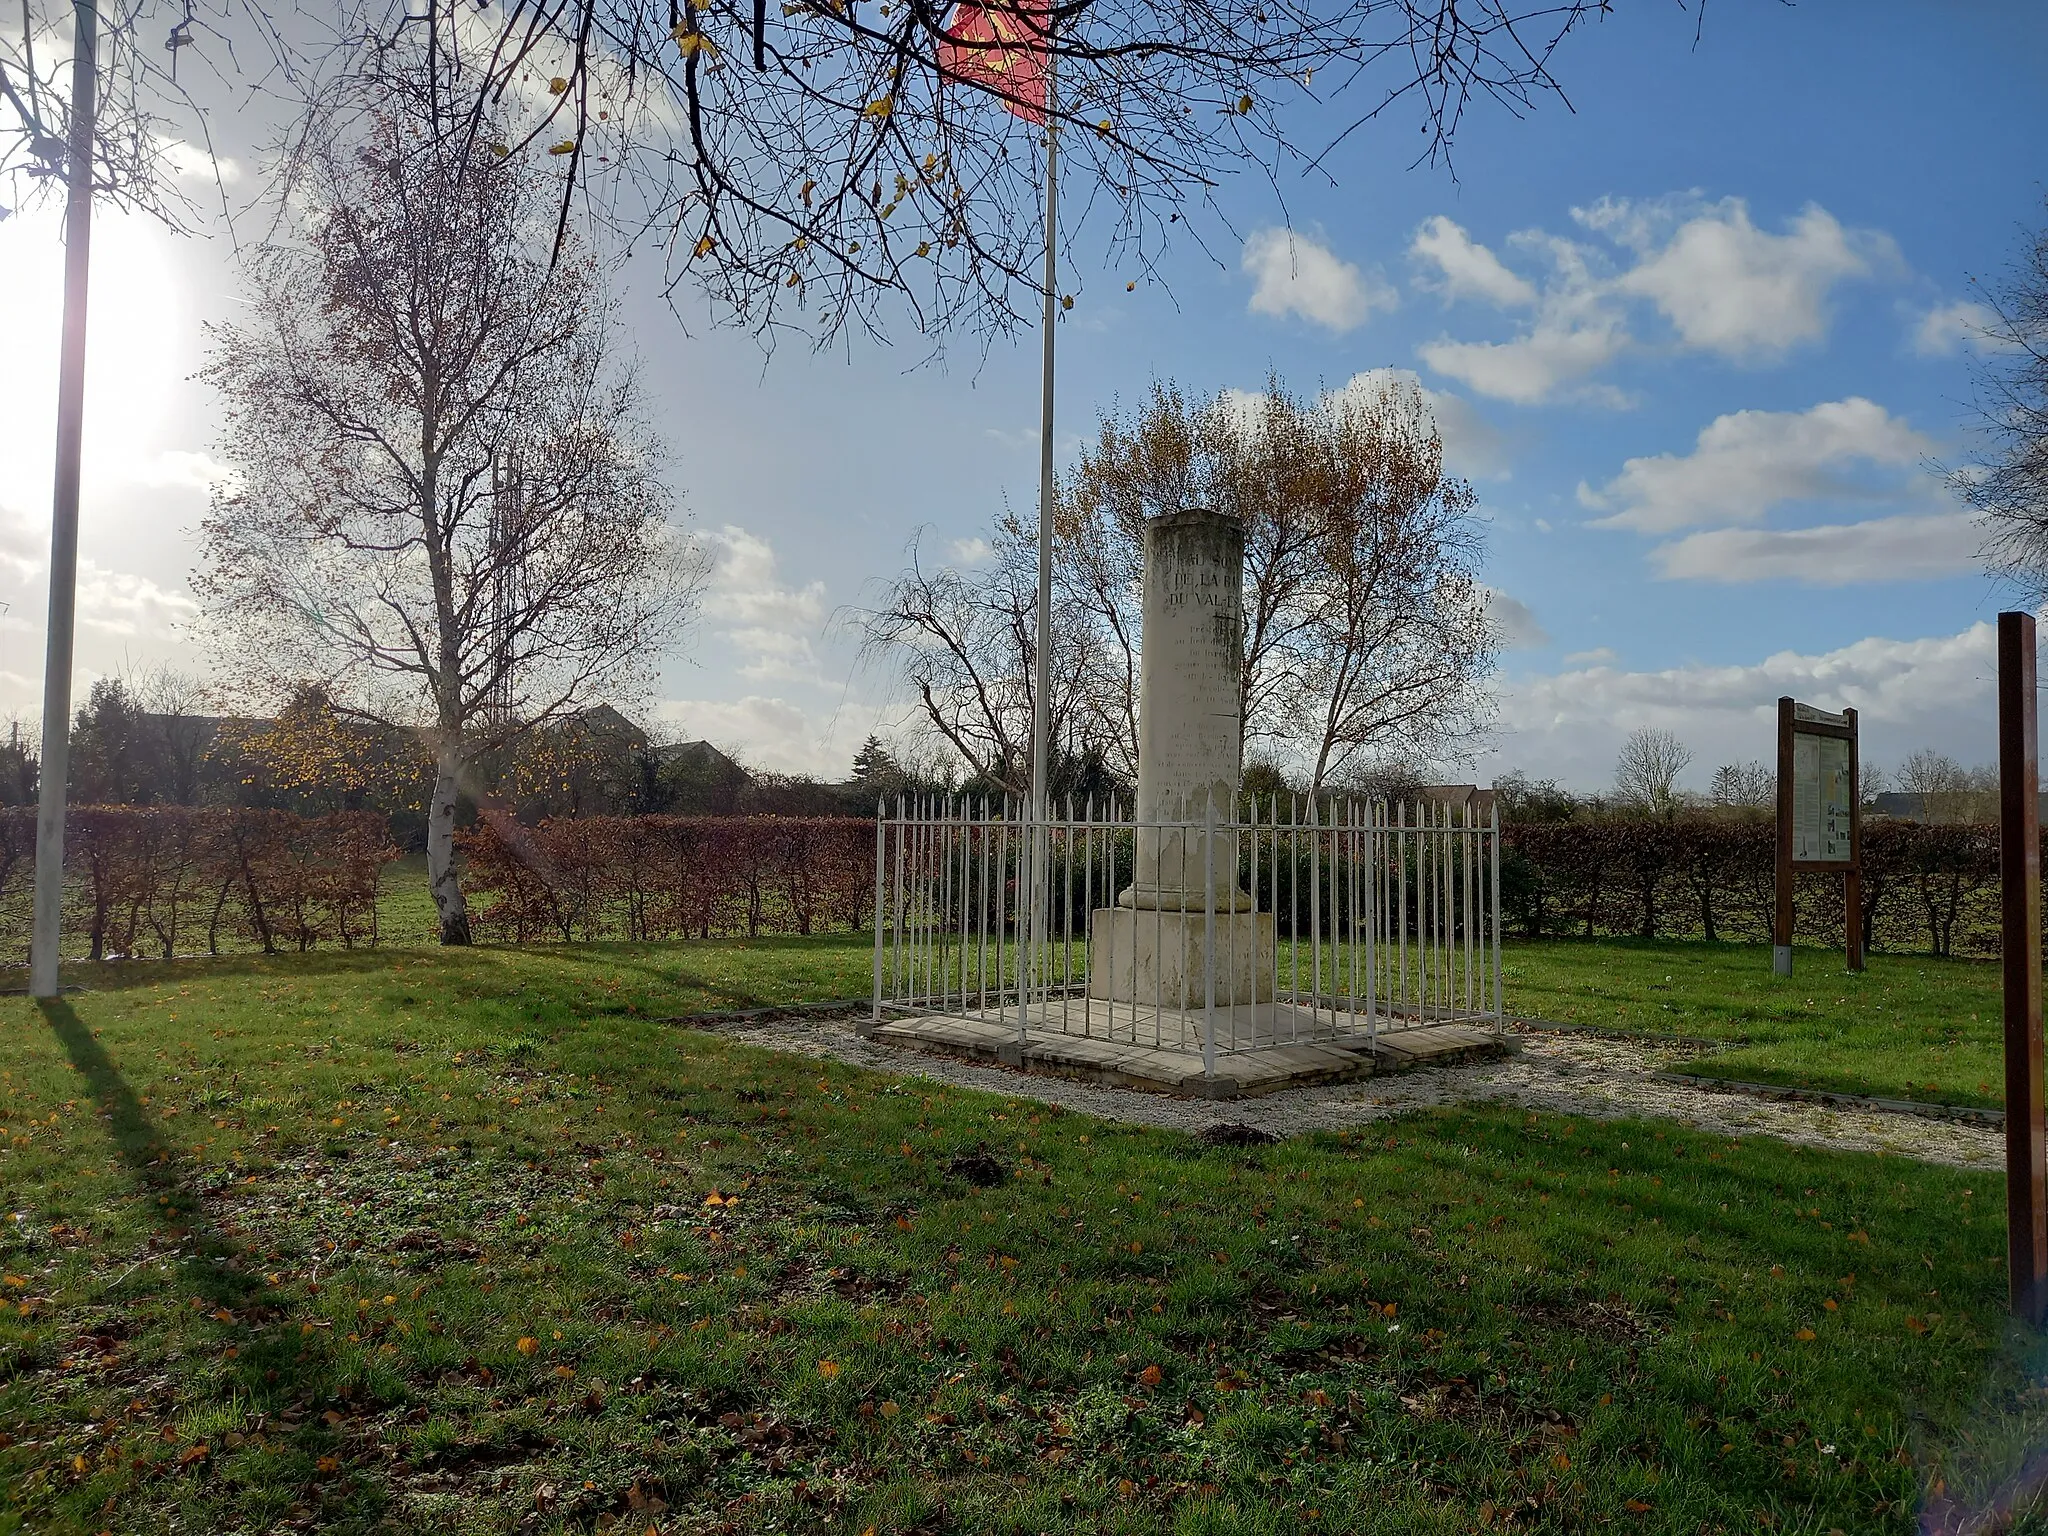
(55, 768)
(1041, 701)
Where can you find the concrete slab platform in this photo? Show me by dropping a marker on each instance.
(1160, 1050)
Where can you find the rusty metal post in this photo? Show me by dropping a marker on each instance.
(2019, 866)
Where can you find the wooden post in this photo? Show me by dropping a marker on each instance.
(2019, 867)
(1781, 917)
(1852, 878)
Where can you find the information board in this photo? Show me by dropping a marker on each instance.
(1823, 800)
(1817, 819)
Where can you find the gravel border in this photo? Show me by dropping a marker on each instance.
(1577, 1073)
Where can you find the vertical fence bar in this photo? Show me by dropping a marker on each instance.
(966, 893)
(1208, 933)
(1294, 910)
(1067, 912)
(1315, 903)
(1351, 915)
(1020, 943)
(1401, 907)
(1493, 906)
(881, 821)
(1001, 871)
(1088, 909)
(1472, 850)
(1375, 902)
(898, 978)
(984, 860)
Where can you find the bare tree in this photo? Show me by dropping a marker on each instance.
(2008, 484)
(806, 161)
(964, 641)
(1646, 773)
(445, 509)
(1366, 629)
(148, 125)
(1949, 791)
(1750, 786)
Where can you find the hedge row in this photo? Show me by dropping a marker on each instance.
(163, 880)
(1926, 888)
(662, 877)
(154, 879)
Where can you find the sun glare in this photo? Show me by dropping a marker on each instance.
(138, 347)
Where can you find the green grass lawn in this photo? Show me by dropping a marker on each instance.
(469, 1242)
(1910, 1026)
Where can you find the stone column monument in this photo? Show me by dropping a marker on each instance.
(1150, 947)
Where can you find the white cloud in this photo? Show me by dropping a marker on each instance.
(1598, 656)
(1723, 285)
(1578, 330)
(1747, 462)
(1296, 275)
(772, 625)
(1533, 368)
(1727, 286)
(1946, 327)
(971, 551)
(1519, 627)
(1473, 446)
(763, 732)
(1904, 548)
(770, 733)
(195, 163)
(1909, 694)
(1468, 270)
(121, 603)
(177, 468)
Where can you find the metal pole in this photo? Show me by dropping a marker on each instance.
(2019, 869)
(1036, 840)
(55, 770)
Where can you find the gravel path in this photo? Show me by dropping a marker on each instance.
(1574, 1074)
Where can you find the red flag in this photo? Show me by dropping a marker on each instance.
(1001, 47)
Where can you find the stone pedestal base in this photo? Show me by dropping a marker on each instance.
(1155, 958)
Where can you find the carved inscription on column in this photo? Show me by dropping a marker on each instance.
(1190, 736)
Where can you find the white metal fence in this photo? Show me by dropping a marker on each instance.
(1286, 922)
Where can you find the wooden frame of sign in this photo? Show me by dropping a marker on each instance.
(1820, 818)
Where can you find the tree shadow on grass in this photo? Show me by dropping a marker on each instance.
(643, 957)
(271, 1360)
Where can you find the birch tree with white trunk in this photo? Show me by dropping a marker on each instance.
(413, 338)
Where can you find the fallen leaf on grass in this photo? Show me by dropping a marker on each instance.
(829, 1369)
(1151, 1376)
(1804, 1335)
(890, 1410)
(528, 1344)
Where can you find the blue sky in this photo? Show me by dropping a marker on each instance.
(1696, 342)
